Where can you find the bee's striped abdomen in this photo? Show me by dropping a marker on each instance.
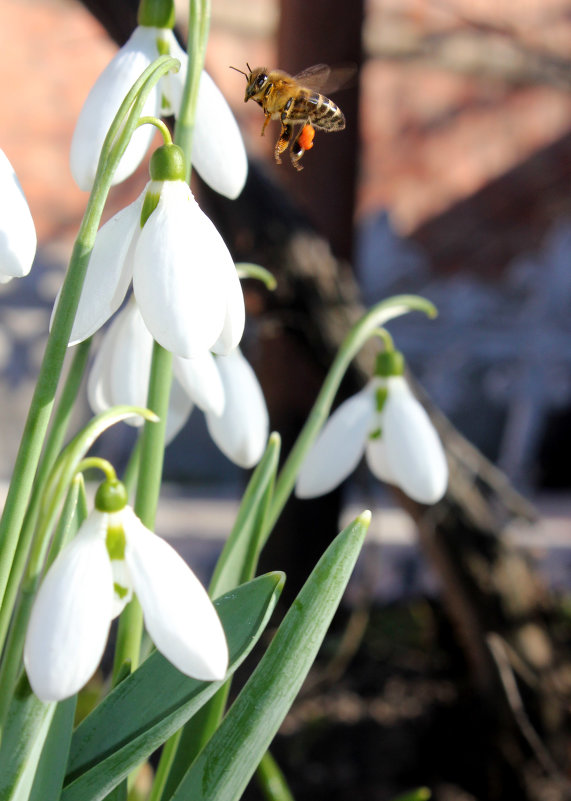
(320, 110)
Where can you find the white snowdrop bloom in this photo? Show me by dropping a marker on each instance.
(113, 556)
(184, 280)
(120, 372)
(225, 388)
(241, 431)
(218, 153)
(386, 423)
(17, 232)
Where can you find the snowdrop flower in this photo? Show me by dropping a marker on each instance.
(120, 374)
(386, 423)
(17, 232)
(113, 556)
(225, 388)
(218, 153)
(241, 431)
(184, 280)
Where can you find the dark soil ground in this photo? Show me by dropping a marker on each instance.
(402, 713)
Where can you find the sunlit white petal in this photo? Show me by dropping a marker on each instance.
(180, 274)
(180, 408)
(108, 273)
(339, 447)
(235, 318)
(122, 587)
(70, 619)
(121, 370)
(102, 105)
(241, 431)
(218, 152)
(413, 448)
(178, 613)
(377, 459)
(201, 379)
(17, 232)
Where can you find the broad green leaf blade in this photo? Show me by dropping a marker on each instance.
(23, 738)
(224, 766)
(156, 700)
(237, 563)
(235, 558)
(51, 768)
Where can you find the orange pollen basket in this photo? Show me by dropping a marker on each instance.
(306, 137)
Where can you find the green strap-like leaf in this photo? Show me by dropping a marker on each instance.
(234, 565)
(156, 700)
(223, 768)
(48, 780)
(23, 738)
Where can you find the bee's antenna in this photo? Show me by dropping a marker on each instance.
(249, 68)
(240, 71)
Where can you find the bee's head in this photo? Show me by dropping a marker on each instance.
(256, 80)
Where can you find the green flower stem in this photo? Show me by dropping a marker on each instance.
(97, 463)
(152, 446)
(199, 23)
(271, 780)
(53, 445)
(386, 338)
(148, 488)
(354, 341)
(160, 125)
(43, 399)
(247, 270)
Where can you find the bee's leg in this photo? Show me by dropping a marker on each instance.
(297, 152)
(267, 118)
(283, 141)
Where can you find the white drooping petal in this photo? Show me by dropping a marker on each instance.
(241, 431)
(218, 152)
(102, 105)
(71, 616)
(180, 408)
(109, 272)
(99, 390)
(121, 370)
(201, 380)
(376, 455)
(414, 451)
(235, 318)
(17, 232)
(178, 614)
(180, 274)
(339, 447)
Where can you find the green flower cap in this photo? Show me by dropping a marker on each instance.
(168, 164)
(389, 362)
(156, 13)
(111, 496)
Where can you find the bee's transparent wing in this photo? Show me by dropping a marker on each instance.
(324, 79)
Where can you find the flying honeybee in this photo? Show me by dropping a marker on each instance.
(297, 100)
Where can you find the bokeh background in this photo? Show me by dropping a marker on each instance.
(451, 181)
